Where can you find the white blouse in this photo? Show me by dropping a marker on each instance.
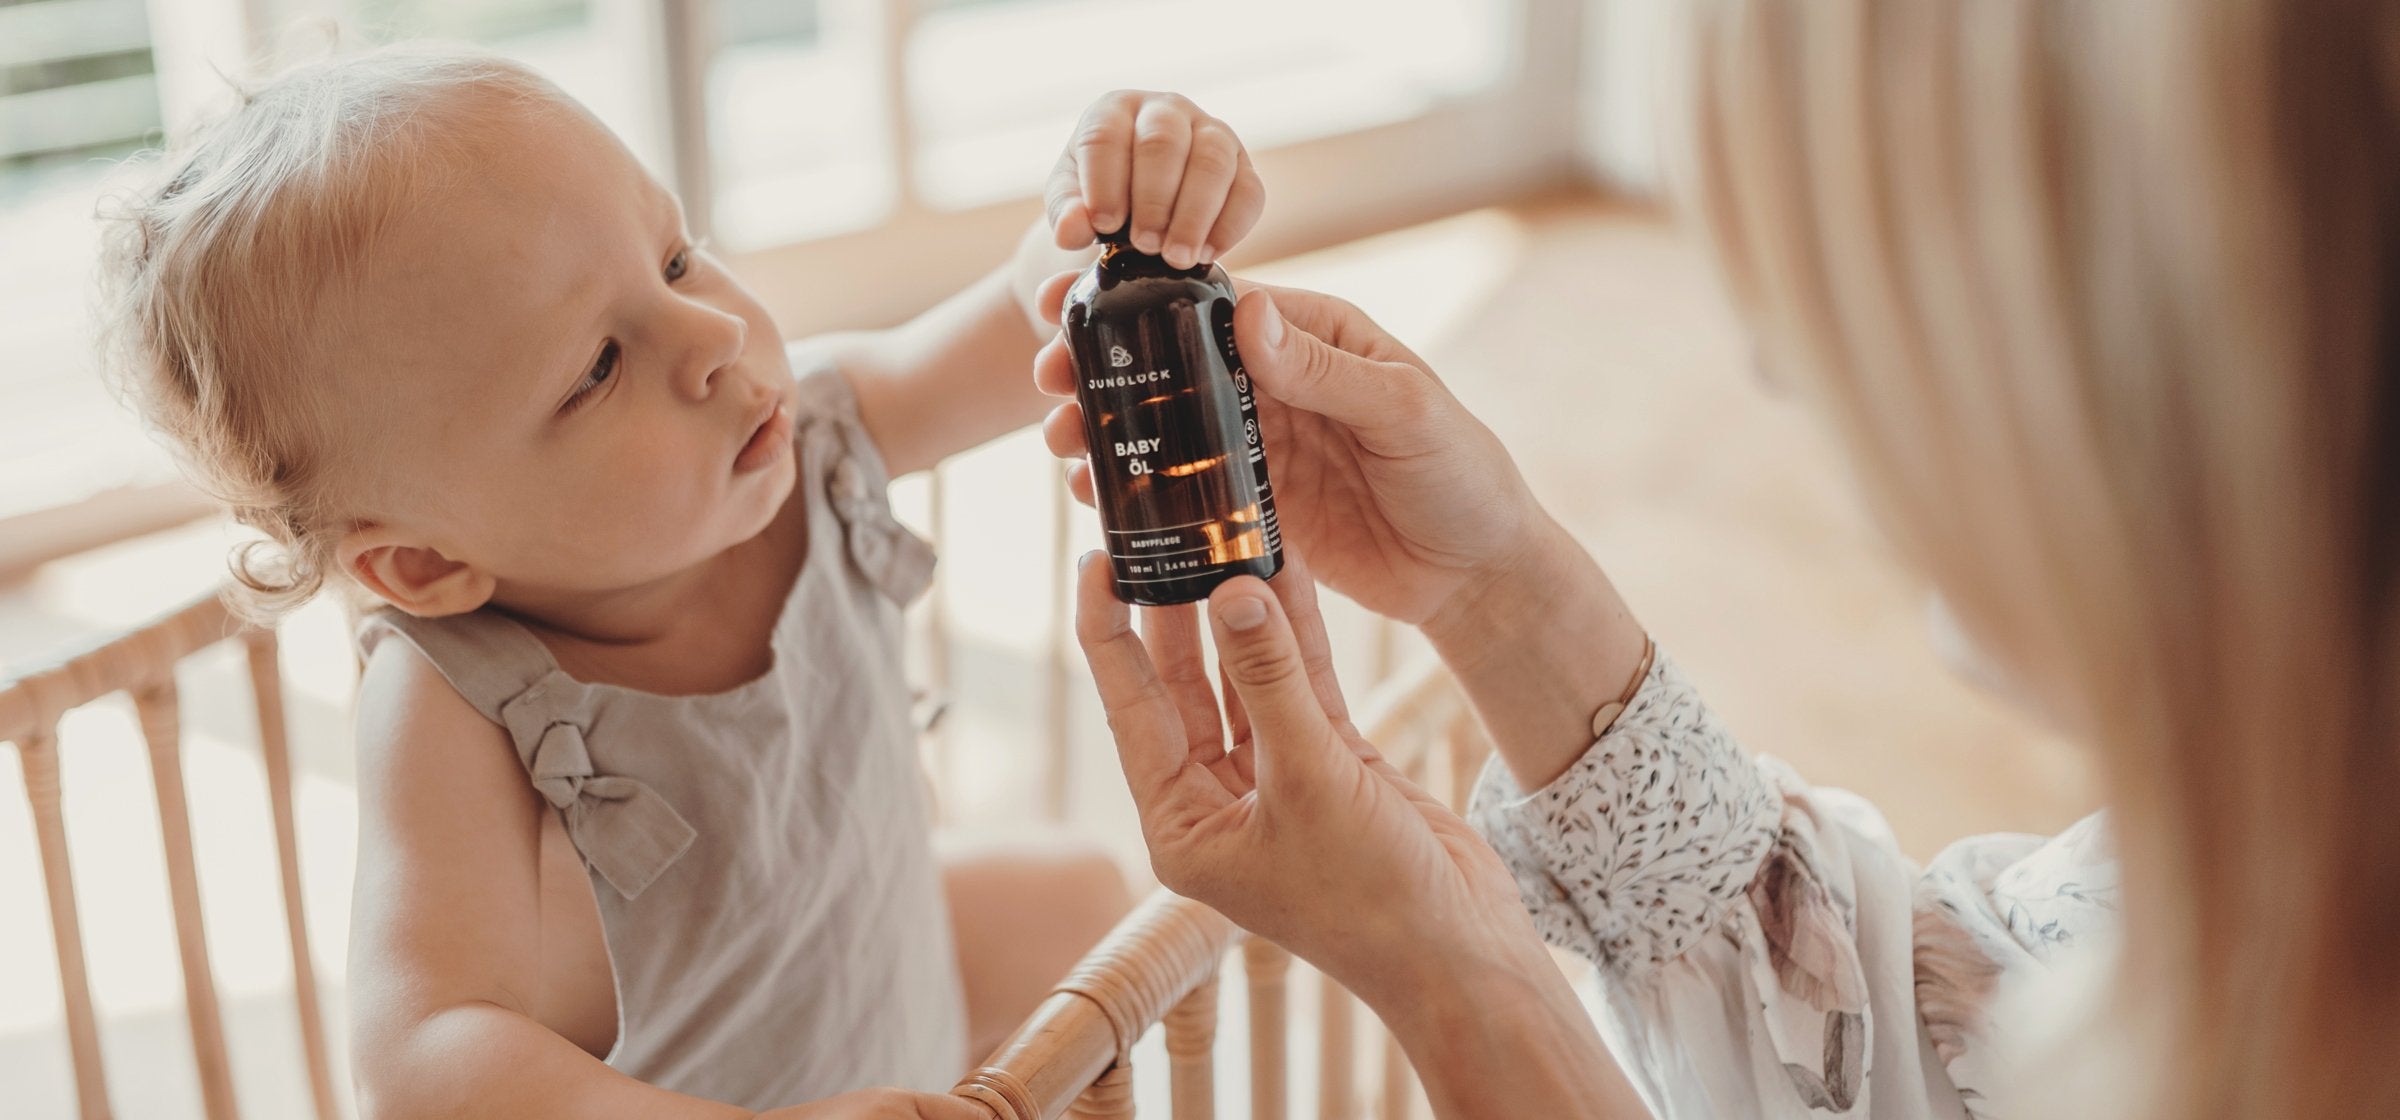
(1764, 948)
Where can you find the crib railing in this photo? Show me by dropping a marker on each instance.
(1159, 968)
(142, 664)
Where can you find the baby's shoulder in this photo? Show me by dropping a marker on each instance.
(416, 734)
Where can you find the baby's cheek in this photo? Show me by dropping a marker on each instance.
(662, 483)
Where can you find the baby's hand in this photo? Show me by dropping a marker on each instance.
(1180, 174)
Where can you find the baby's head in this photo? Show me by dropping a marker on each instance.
(424, 322)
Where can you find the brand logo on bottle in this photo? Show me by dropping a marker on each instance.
(1118, 357)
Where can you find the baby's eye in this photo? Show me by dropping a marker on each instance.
(679, 264)
(602, 370)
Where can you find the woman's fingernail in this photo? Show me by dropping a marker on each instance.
(1244, 614)
(1272, 329)
(1085, 560)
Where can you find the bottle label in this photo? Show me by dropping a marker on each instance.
(1173, 430)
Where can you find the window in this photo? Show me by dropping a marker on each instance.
(78, 83)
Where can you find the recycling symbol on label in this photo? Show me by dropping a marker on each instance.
(1118, 357)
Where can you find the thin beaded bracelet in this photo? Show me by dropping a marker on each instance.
(1606, 717)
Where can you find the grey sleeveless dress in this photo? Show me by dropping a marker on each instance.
(766, 884)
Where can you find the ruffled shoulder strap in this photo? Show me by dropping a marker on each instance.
(839, 458)
(626, 831)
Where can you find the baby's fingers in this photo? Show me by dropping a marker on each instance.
(1063, 205)
(1086, 192)
(1162, 142)
(1208, 174)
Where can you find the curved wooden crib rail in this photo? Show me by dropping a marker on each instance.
(142, 664)
(1159, 966)
(1070, 1058)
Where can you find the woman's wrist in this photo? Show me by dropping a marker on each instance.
(1540, 642)
(1516, 583)
(1504, 1036)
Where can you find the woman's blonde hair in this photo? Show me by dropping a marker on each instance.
(2103, 295)
(217, 260)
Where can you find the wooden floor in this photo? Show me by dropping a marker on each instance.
(1591, 338)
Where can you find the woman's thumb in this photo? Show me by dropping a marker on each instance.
(1298, 368)
(1261, 659)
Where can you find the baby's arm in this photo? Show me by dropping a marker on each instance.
(960, 374)
(957, 375)
(446, 935)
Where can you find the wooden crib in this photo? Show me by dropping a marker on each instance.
(1072, 1057)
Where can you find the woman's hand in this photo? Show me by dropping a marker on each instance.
(1178, 175)
(1300, 832)
(1399, 496)
(1298, 829)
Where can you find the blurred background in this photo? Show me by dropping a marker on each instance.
(1481, 175)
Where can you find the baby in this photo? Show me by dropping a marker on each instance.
(642, 825)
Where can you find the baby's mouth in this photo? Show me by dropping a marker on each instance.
(767, 442)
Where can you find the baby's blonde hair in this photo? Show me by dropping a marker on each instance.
(216, 263)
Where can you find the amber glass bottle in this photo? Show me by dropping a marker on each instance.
(1177, 464)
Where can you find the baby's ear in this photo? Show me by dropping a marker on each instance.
(412, 577)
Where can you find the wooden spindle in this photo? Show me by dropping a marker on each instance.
(160, 713)
(1337, 1052)
(1191, 1045)
(1265, 965)
(37, 754)
(274, 745)
(1109, 1098)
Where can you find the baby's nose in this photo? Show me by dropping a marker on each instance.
(714, 349)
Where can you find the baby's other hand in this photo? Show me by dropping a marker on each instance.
(1177, 174)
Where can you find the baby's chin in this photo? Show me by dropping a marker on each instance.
(760, 500)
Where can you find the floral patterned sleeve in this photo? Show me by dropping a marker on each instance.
(1640, 847)
(1764, 949)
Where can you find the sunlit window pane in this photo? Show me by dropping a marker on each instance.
(483, 20)
(76, 91)
(601, 55)
(799, 147)
(996, 85)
